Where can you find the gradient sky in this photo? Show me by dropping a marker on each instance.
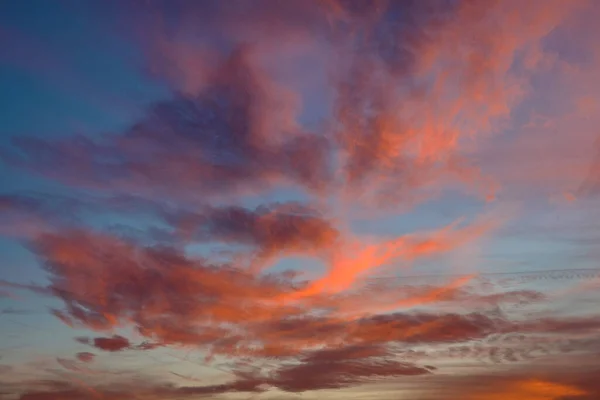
(316, 199)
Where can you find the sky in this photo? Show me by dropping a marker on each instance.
(302, 199)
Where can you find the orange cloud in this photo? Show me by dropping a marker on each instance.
(354, 259)
(429, 296)
(406, 123)
(531, 390)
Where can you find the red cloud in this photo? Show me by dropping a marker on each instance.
(85, 357)
(114, 343)
(273, 230)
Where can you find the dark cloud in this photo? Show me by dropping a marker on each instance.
(85, 356)
(353, 365)
(333, 369)
(114, 343)
(51, 395)
(270, 230)
(273, 230)
(425, 328)
(220, 141)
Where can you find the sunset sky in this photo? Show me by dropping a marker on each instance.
(299, 199)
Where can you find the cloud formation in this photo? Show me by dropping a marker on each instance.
(217, 142)
(274, 230)
(284, 126)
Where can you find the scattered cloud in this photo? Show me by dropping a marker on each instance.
(281, 123)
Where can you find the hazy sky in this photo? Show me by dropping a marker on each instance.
(316, 199)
